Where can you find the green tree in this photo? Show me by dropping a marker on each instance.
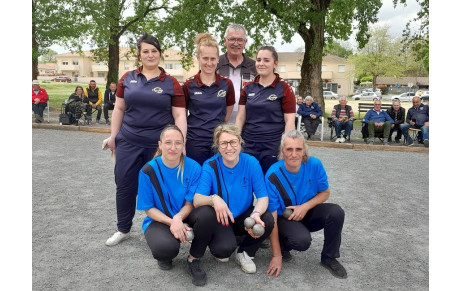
(48, 56)
(418, 39)
(112, 19)
(379, 57)
(336, 49)
(316, 21)
(53, 22)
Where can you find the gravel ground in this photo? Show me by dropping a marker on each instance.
(384, 243)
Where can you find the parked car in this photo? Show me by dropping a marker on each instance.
(404, 96)
(61, 79)
(366, 96)
(330, 94)
(425, 97)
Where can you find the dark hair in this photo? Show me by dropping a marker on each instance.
(78, 87)
(150, 39)
(268, 48)
(92, 81)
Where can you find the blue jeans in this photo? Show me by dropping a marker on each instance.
(348, 126)
(405, 129)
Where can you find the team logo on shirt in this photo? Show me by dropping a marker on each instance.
(251, 94)
(197, 93)
(272, 97)
(222, 93)
(157, 90)
(133, 81)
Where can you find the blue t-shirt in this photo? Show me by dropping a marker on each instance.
(307, 182)
(238, 183)
(175, 191)
(148, 106)
(207, 106)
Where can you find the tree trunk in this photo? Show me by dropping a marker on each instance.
(35, 48)
(114, 59)
(310, 72)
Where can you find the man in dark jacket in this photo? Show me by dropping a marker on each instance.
(95, 99)
(397, 113)
(109, 100)
(418, 116)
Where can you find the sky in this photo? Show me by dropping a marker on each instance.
(395, 18)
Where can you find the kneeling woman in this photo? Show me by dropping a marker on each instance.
(234, 176)
(166, 188)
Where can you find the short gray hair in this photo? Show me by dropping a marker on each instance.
(343, 97)
(235, 26)
(308, 98)
(293, 134)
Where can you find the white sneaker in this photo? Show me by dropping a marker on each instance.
(116, 238)
(339, 139)
(343, 140)
(246, 263)
(223, 260)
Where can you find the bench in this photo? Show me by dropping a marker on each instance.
(364, 107)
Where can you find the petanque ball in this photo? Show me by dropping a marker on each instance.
(190, 235)
(258, 230)
(287, 212)
(249, 222)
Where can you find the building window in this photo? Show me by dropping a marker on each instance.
(341, 68)
(178, 66)
(282, 69)
(168, 66)
(75, 62)
(126, 66)
(100, 75)
(299, 68)
(323, 68)
(65, 62)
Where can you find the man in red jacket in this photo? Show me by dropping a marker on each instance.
(39, 99)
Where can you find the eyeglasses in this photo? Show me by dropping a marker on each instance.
(170, 143)
(233, 143)
(238, 40)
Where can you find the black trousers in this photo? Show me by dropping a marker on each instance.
(99, 112)
(39, 108)
(165, 247)
(107, 107)
(397, 127)
(311, 125)
(295, 235)
(223, 242)
(199, 151)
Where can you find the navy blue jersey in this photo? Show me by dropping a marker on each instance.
(148, 105)
(265, 109)
(207, 105)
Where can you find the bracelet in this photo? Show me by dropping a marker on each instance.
(210, 199)
(255, 211)
(274, 256)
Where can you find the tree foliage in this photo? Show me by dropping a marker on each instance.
(48, 56)
(336, 49)
(54, 22)
(417, 39)
(379, 57)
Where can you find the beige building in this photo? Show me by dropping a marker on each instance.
(337, 73)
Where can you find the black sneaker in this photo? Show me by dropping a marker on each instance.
(397, 140)
(98, 121)
(426, 143)
(334, 267)
(165, 265)
(107, 121)
(287, 257)
(198, 275)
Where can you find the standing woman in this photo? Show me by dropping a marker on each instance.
(166, 188)
(266, 109)
(228, 182)
(147, 100)
(209, 97)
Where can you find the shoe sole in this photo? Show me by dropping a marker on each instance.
(332, 272)
(224, 260)
(244, 270)
(166, 267)
(114, 244)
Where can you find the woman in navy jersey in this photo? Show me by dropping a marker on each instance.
(266, 109)
(166, 188)
(147, 100)
(228, 182)
(209, 97)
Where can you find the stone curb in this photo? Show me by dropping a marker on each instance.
(327, 144)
